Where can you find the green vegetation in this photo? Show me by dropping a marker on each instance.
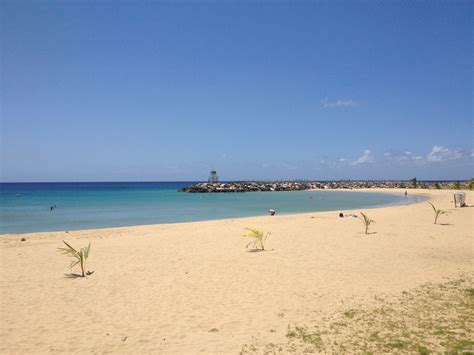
(438, 212)
(79, 256)
(432, 318)
(470, 184)
(311, 338)
(414, 182)
(437, 186)
(457, 185)
(367, 221)
(350, 313)
(258, 238)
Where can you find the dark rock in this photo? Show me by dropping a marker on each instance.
(248, 186)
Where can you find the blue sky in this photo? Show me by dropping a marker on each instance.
(161, 90)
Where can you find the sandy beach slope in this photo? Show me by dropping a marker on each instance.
(193, 287)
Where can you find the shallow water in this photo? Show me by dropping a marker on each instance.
(26, 207)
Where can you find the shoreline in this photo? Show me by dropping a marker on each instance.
(194, 287)
(389, 191)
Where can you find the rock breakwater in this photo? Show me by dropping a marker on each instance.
(256, 186)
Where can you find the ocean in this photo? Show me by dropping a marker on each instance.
(26, 207)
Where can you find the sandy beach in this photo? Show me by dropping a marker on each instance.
(194, 287)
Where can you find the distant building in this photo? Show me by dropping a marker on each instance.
(213, 177)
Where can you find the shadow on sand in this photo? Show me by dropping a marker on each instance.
(76, 276)
(72, 276)
(258, 250)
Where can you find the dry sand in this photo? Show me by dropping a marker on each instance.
(193, 287)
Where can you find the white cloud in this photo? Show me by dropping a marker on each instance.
(366, 157)
(325, 103)
(402, 158)
(334, 162)
(439, 154)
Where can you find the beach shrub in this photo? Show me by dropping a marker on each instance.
(367, 221)
(437, 185)
(79, 256)
(414, 182)
(258, 238)
(438, 212)
(457, 185)
(470, 184)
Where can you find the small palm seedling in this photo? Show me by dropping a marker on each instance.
(258, 238)
(438, 212)
(79, 256)
(367, 221)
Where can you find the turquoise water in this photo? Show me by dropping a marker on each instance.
(26, 208)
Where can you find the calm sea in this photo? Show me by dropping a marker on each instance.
(26, 207)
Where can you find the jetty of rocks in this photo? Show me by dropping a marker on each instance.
(248, 186)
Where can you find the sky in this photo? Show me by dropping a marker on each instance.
(168, 90)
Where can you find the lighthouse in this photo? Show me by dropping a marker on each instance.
(213, 177)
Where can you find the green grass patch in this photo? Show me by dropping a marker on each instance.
(433, 318)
